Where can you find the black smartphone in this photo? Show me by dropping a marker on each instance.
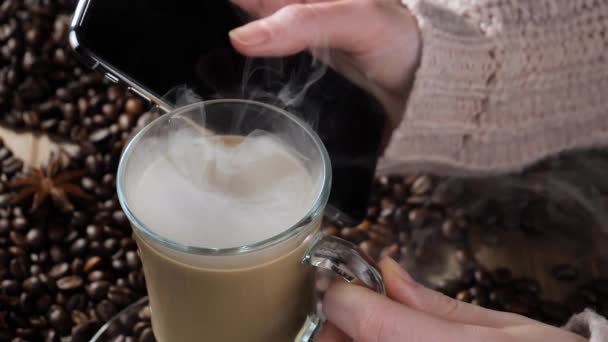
(155, 46)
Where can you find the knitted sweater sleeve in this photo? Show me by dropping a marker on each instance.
(504, 83)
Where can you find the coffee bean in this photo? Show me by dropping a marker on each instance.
(69, 283)
(18, 267)
(10, 287)
(98, 289)
(79, 247)
(106, 310)
(119, 295)
(17, 238)
(84, 332)
(450, 231)
(96, 275)
(133, 260)
(57, 254)
(135, 106)
(146, 336)
(145, 313)
(421, 185)
(35, 238)
(99, 135)
(417, 217)
(76, 302)
(33, 285)
(92, 263)
(77, 266)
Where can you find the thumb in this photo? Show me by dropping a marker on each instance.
(298, 27)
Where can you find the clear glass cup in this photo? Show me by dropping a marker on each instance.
(258, 292)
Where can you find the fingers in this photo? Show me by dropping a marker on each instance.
(366, 316)
(402, 288)
(297, 27)
(332, 334)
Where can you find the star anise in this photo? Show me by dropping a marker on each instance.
(49, 181)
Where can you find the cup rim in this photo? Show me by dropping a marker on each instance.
(316, 209)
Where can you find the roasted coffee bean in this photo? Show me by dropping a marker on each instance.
(119, 265)
(69, 283)
(98, 289)
(146, 336)
(26, 303)
(135, 106)
(79, 219)
(133, 260)
(58, 254)
(18, 267)
(33, 285)
(106, 310)
(84, 332)
(35, 238)
(79, 247)
(94, 232)
(417, 217)
(18, 239)
(76, 302)
(96, 275)
(77, 266)
(10, 287)
(421, 185)
(92, 263)
(450, 231)
(119, 295)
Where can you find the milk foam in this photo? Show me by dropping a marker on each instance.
(216, 192)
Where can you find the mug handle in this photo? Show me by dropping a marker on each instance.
(345, 260)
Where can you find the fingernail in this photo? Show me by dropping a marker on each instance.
(396, 269)
(252, 34)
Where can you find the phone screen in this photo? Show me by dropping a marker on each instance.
(161, 45)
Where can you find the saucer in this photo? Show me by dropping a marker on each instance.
(123, 322)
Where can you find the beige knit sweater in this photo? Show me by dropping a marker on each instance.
(504, 83)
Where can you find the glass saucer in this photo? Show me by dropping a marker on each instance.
(122, 326)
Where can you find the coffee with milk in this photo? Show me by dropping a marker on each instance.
(216, 192)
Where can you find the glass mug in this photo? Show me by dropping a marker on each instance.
(259, 292)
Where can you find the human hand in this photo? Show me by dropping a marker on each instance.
(374, 43)
(412, 312)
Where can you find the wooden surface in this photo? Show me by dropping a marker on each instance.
(32, 149)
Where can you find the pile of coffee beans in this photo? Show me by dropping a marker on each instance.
(65, 273)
